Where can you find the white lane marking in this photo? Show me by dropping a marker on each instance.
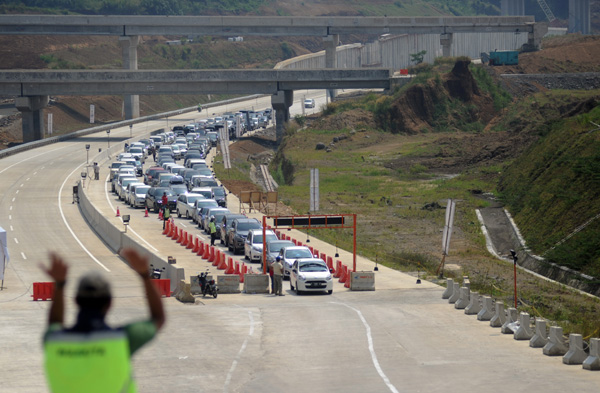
(239, 354)
(67, 224)
(183, 225)
(27, 179)
(115, 211)
(23, 255)
(372, 350)
(37, 155)
(10, 217)
(16, 240)
(14, 199)
(11, 228)
(35, 173)
(10, 208)
(17, 191)
(22, 184)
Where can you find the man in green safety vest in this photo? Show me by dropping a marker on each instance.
(91, 356)
(212, 229)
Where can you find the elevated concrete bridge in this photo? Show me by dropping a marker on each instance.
(33, 87)
(130, 28)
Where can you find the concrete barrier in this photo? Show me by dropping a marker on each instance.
(455, 293)
(487, 311)
(256, 283)
(510, 325)
(463, 298)
(466, 283)
(228, 284)
(540, 338)
(449, 288)
(575, 354)
(556, 345)
(183, 293)
(499, 316)
(592, 362)
(524, 331)
(362, 281)
(474, 305)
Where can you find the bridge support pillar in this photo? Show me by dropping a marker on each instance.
(534, 39)
(512, 7)
(129, 46)
(446, 42)
(32, 113)
(331, 43)
(281, 103)
(579, 16)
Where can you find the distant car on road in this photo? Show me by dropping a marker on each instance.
(309, 103)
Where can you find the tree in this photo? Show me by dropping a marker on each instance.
(418, 57)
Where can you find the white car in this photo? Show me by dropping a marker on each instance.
(137, 196)
(309, 103)
(289, 255)
(311, 274)
(185, 204)
(253, 246)
(199, 204)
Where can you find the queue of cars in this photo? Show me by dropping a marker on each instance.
(183, 176)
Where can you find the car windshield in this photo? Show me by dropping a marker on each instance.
(259, 238)
(219, 192)
(179, 189)
(246, 226)
(193, 198)
(295, 254)
(313, 267)
(276, 246)
(141, 191)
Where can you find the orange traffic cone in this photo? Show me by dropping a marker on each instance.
(237, 269)
(118, 212)
(230, 269)
(167, 228)
(348, 278)
(160, 215)
(146, 214)
(200, 248)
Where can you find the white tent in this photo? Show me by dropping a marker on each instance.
(4, 257)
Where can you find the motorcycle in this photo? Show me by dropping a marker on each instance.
(156, 273)
(207, 286)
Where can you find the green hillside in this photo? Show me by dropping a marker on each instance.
(553, 188)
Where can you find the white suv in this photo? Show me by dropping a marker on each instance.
(309, 103)
(253, 246)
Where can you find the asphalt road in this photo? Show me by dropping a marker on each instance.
(401, 338)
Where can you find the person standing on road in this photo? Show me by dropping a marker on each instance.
(165, 201)
(166, 216)
(153, 153)
(277, 268)
(212, 229)
(96, 171)
(91, 356)
(272, 282)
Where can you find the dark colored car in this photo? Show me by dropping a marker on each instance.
(239, 231)
(154, 198)
(220, 195)
(226, 224)
(152, 173)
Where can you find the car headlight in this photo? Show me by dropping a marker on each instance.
(328, 278)
(302, 277)
(254, 248)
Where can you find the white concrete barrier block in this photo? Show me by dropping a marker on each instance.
(499, 316)
(540, 338)
(575, 354)
(487, 311)
(557, 345)
(195, 288)
(463, 299)
(474, 305)
(449, 289)
(256, 283)
(228, 283)
(592, 362)
(362, 281)
(184, 295)
(455, 293)
(524, 331)
(466, 283)
(510, 325)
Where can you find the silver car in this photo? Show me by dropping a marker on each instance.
(289, 254)
(186, 203)
(137, 196)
